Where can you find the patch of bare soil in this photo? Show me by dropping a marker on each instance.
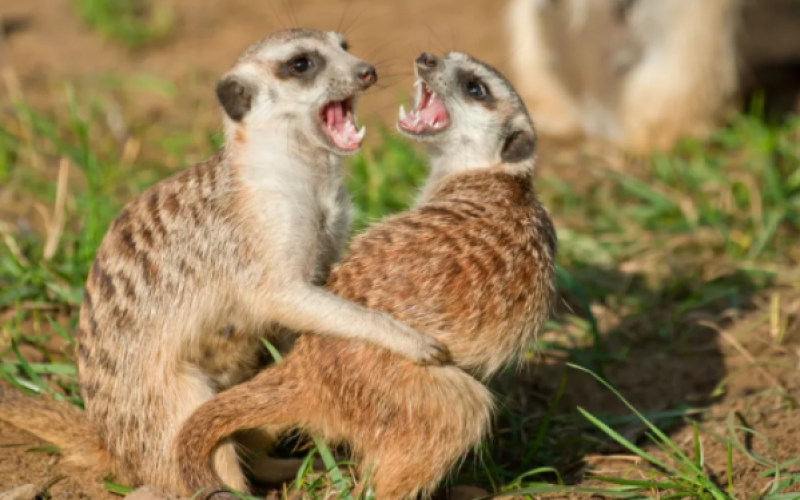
(19, 466)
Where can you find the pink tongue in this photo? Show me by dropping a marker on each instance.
(331, 116)
(338, 108)
(434, 111)
(421, 119)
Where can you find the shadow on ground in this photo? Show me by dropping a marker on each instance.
(659, 346)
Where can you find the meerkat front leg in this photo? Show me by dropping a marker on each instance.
(304, 307)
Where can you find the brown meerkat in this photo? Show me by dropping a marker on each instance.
(472, 264)
(198, 268)
(638, 73)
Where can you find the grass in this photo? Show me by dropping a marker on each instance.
(134, 23)
(677, 475)
(708, 231)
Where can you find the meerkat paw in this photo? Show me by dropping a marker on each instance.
(421, 348)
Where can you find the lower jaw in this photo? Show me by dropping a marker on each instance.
(328, 143)
(339, 150)
(423, 134)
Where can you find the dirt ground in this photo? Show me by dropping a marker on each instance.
(56, 47)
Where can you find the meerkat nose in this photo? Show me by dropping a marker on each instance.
(366, 73)
(426, 60)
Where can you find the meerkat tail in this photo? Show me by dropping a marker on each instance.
(58, 423)
(264, 401)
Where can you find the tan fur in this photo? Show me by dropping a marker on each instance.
(644, 72)
(198, 268)
(472, 265)
(61, 424)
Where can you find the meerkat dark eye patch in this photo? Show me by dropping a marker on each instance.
(303, 66)
(518, 146)
(299, 65)
(474, 88)
(235, 97)
(345, 45)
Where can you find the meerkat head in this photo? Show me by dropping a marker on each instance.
(302, 79)
(468, 113)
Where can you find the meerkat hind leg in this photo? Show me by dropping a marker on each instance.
(225, 462)
(265, 468)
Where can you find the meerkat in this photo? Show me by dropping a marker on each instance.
(472, 264)
(198, 268)
(638, 73)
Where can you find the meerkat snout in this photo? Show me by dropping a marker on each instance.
(367, 75)
(426, 61)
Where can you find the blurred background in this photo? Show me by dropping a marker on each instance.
(668, 160)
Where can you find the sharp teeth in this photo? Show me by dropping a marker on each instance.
(402, 112)
(361, 133)
(418, 82)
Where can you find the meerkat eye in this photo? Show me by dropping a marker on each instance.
(300, 64)
(477, 90)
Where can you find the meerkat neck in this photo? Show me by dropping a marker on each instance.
(280, 158)
(445, 163)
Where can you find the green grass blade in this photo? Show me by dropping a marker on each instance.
(66, 370)
(775, 470)
(305, 467)
(117, 489)
(545, 425)
(638, 483)
(272, 350)
(698, 447)
(536, 472)
(730, 468)
(656, 431)
(60, 331)
(782, 496)
(627, 444)
(333, 469)
(622, 492)
(30, 372)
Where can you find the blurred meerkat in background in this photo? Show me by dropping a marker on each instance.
(644, 73)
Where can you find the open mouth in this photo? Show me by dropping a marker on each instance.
(338, 122)
(429, 114)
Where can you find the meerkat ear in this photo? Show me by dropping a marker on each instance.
(518, 146)
(235, 96)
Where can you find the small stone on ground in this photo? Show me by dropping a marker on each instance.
(24, 492)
